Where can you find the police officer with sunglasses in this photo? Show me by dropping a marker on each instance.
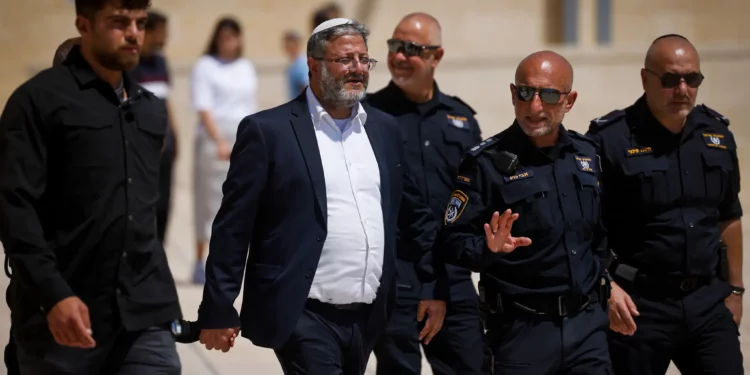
(525, 214)
(670, 194)
(437, 129)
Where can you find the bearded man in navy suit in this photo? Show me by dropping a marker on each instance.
(316, 199)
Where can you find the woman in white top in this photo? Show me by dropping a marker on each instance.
(224, 89)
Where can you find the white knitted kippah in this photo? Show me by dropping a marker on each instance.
(331, 23)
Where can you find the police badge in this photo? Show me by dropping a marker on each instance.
(456, 206)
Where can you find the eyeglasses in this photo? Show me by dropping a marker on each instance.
(408, 48)
(350, 63)
(548, 96)
(672, 80)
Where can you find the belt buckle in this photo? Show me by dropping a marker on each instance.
(688, 284)
(562, 307)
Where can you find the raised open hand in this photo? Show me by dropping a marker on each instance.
(498, 235)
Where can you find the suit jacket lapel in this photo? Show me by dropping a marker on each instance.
(308, 143)
(375, 135)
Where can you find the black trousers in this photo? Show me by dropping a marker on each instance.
(151, 351)
(456, 349)
(525, 344)
(327, 340)
(695, 331)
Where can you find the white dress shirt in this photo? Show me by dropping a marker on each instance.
(351, 263)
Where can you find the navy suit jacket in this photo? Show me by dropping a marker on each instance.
(272, 224)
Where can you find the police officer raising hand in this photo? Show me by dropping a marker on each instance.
(543, 301)
(498, 235)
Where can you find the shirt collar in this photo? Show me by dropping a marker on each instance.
(319, 113)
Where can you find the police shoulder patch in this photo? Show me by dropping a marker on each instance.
(476, 150)
(456, 206)
(456, 98)
(600, 123)
(716, 115)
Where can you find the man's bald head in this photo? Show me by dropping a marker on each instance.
(668, 47)
(546, 64)
(542, 95)
(670, 77)
(63, 49)
(424, 24)
(414, 52)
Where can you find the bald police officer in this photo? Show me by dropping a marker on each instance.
(541, 260)
(671, 182)
(437, 129)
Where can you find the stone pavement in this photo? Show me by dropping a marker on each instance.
(244, 358)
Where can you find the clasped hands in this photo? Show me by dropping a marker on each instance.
(219, 339)
(498, 235)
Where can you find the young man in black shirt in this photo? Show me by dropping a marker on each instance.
(91, 291)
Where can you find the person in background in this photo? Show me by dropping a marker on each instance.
(325, 13)
(297, 72)
(152, 73)
(224, 89)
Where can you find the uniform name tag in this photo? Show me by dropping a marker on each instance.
(715, 140)
(639, 151)
(458, 121)
(584, 164)
(463, 179)
(456, 206)
(521, 175)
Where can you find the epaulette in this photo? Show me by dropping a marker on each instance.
(583, 137)
(456, 98)
(476, 150)
(713, 114)
(600, 123)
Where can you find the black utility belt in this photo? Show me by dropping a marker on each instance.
(565, 305)
(668, 284)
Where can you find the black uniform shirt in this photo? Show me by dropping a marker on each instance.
(436, 134)
(664, 193)
(78, 192)
(555, 191)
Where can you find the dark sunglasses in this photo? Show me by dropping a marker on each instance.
(408, 48)
(672, 80)
(548, 96)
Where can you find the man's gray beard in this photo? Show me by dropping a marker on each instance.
(334, 92)
(536, 133)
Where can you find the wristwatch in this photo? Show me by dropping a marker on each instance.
(738, 290)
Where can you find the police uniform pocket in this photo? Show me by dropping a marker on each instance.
(528, 198)
(588, 195)
(716, 167)
(647, 175)
(457, 141)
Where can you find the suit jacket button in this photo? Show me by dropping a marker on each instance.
(318, 239)
(307, 275)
